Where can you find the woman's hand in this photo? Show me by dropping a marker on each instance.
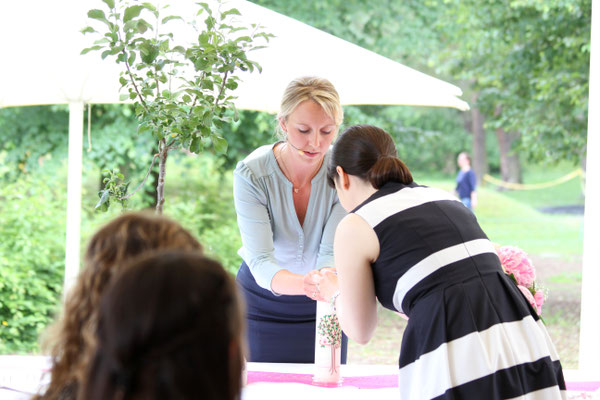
(321, 285)
(328, 284)
(311, 284)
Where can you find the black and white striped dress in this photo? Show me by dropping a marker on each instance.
(471, 334)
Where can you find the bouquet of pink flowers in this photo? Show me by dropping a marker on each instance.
(519, 267)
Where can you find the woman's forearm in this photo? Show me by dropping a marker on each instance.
(286, 282)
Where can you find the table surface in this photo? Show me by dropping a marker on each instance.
(26, 374)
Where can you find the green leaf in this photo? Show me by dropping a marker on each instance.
(131, 27)
(111, 36)
(88, 49)
(123, 96)
(88, 29)
(170, 18)
(150, 7)
(208, 84)
(205, 7)
(243, 39)
(148, 52)
(220, 144)
(132, 12)
(106, 53)
(104, 201)
(196, 145)
(210, 22)
(233, 11)
(97, 14)
(143, 128)
(143, 26)
(231, 84)
(110, 3)
(164, 45)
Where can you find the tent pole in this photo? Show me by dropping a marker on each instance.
(589, 335)
(72, 247)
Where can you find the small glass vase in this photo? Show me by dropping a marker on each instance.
(328, 346)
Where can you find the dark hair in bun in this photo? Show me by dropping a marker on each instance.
(368, 152)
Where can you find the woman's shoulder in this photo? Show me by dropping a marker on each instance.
(258, 163)
(395, 197)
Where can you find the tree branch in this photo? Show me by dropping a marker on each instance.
(143, 182)
(129, 72)
(222, 88)
(196, 97)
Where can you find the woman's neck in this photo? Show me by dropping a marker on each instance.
(363, 189)
(297, 171)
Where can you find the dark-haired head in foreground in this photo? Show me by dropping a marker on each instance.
(169, 327)
(71, 340)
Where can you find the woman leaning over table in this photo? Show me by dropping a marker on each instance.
(287, 216)
(471, 333)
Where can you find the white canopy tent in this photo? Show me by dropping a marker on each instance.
(42, 44)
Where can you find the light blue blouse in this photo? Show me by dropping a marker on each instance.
(272, 237)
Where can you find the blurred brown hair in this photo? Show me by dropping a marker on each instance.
(170, 326)
(368, 152)
(72, 338)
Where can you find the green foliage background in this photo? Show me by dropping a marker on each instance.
(32, 227)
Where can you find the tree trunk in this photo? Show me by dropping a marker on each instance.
(510, 164)
(150, 191)
(479, 162)
(160, 186)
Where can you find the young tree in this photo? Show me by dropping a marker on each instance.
(181, 92)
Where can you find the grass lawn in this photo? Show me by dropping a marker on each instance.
(512, 217)
(567, 193)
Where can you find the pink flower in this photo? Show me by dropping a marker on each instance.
(528, 296)
(539, 301)
(515, 261)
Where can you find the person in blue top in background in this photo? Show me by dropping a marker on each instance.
(466, 182)
(287, 216)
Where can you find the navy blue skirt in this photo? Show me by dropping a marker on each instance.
(279, 328)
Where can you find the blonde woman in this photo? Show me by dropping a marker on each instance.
(120, 240)
(287, 216)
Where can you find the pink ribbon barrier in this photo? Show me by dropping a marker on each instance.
(583, 386)
(361, 382)
(372, 381)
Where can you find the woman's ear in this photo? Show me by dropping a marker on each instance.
(282, 124)
(343, 177)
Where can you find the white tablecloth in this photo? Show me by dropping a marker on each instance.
(25, 374)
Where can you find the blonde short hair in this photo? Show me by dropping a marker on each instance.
(319, 90)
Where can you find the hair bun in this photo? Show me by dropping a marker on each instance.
(368, 152)
(388, 168)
